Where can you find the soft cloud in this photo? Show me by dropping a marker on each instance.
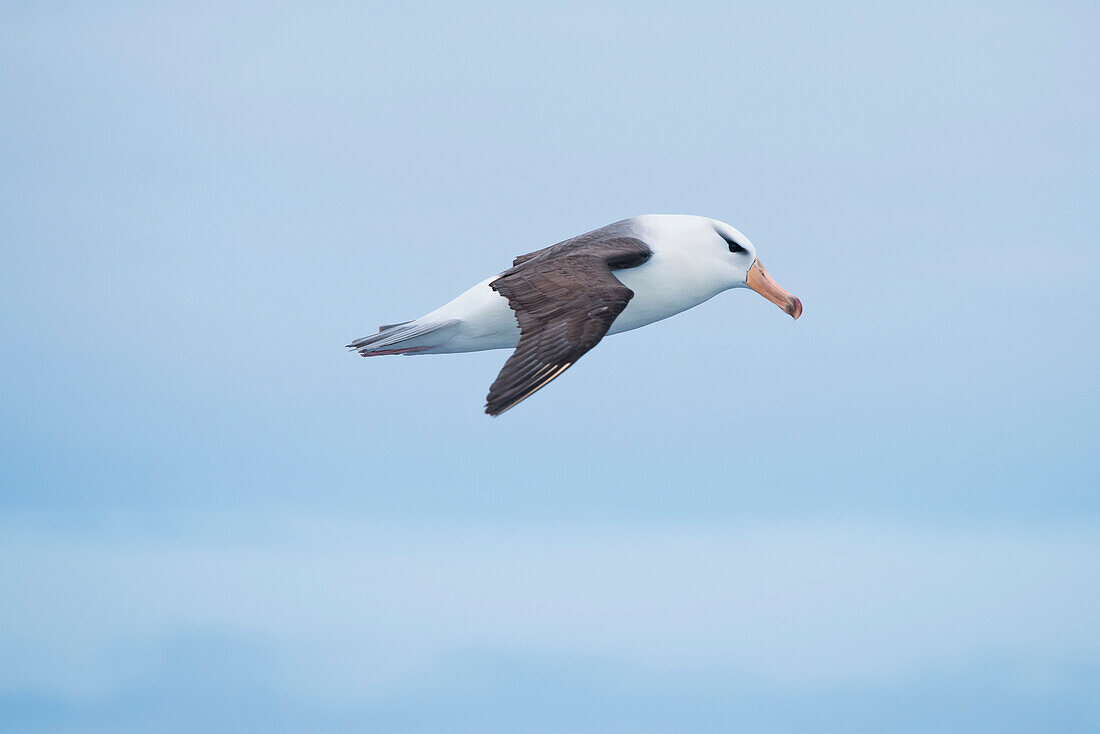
(356, 610)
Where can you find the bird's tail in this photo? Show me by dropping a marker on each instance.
(410, 337)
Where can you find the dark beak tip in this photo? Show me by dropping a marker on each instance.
(794, 308)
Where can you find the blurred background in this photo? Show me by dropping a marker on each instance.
(881, 518)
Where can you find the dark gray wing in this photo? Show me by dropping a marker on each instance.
(565, 298)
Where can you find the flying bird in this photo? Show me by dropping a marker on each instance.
(555, 304)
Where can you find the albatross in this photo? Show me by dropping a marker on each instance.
(555, 304)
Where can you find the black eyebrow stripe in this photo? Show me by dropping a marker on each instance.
(732, 243)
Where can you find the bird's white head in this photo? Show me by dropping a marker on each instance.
(738, 255)
(716, 253)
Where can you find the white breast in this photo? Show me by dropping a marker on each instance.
(666, 285)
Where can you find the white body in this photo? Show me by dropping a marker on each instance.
(690, 264)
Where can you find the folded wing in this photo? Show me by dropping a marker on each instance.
(565, 299)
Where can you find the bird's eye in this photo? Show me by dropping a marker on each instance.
(734, 247)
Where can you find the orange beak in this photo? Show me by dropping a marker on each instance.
(759, 280)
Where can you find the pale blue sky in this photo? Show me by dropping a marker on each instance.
(883, 517)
